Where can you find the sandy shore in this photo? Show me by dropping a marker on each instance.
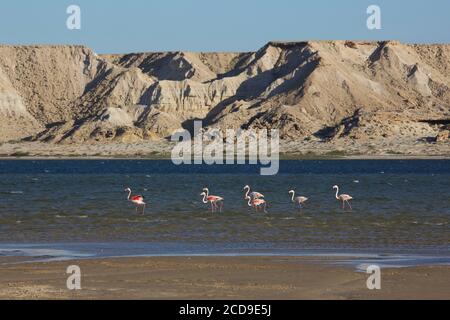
(216, 278)
(288, 150)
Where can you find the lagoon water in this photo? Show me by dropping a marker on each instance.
(77, 208)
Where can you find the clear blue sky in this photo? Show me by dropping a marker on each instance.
(113, 26)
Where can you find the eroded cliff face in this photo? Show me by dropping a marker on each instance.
(15, 120)
(308, 90)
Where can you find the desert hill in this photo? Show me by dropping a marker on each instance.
(315, 90)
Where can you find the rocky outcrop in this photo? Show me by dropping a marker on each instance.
(444, 134)
(327, 90)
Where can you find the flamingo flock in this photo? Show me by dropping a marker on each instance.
(254, 200)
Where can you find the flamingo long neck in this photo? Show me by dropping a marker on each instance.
(249, 201)
(129, 194)
(337, 193)
(206, 192)
(204, 198)
(293, 195)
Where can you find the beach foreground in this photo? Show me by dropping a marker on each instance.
(216, 278)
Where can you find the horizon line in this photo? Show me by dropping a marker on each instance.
(271, 42)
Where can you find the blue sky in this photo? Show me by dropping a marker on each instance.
(112, 26)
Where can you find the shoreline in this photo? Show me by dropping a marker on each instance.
(161, 150)
(354, 259)
(212, 278)
(284, 158)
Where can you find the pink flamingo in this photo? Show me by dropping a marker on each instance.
(299, 200)
(138, 201)
(257, 204)
(216, 201)
(253, 195)
(345, 198)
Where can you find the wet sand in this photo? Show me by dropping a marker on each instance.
(216, 278)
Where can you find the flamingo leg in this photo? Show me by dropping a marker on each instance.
(143, 209)
(265, 207)
(349, 205)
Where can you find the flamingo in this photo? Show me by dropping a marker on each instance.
(257, 203)
(345, 198)
(298, 200)
(138, 201)
(215, 201)
(253, 195)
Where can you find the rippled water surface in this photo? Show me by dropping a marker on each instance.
(399, 206)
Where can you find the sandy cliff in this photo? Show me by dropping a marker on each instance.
(326, 90)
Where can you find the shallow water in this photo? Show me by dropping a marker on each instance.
(399, 207)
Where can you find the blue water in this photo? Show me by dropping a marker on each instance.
(69, 208)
